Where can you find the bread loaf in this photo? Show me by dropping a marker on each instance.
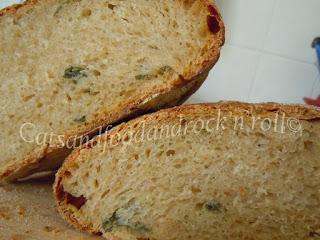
(211, 172)
(70, 68)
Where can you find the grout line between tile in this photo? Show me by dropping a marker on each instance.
(260, 51)
(288, 57)
(271, 53)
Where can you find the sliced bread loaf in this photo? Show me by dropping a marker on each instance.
(69, 68)
(27, 211)
(216, 171)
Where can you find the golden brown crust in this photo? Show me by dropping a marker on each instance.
(301, 112)
(160, 98)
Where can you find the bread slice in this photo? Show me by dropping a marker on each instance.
(213, 171)
(27, 211)
(70, 68)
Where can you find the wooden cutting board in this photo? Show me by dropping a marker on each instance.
(28, 211)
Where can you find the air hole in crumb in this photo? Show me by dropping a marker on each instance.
(96, 72)
(314, 234)
(74, 184)
(159, 154)
(105, 193)
(129, 166)
(136, 156)
(126, 138)
(199, 206)
(27, 98)
(308, 145)
(281, 148)
(98, 169)
(174, 24)
(148, 151)
(123, 92)
(125, 19)
(76, 166)
(188, 4)
(96, 183)
(195, 190)
(47, 229)
(86, 12)
(111, 6)
(171, 153)
(178, 166)
(156, 48)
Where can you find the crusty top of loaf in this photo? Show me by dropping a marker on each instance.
(235, 108)
(86, 64)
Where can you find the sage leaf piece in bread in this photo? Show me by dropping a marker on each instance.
(27, 211)
(214, 171)
(71, 68)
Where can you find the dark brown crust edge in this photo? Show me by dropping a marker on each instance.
(160, 98)
(301, 112)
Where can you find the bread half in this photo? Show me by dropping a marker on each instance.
(70, 68)
(27, 211)
(214, 171)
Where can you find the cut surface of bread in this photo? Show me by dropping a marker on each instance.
(213, 171)
(28, 212)
(71, 67)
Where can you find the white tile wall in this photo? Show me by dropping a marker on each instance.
(316, 89)
(267, 56)
(5, 3)
(247, 21)
(282, 80)
(278, 33)
(295, 24)
(225, 81)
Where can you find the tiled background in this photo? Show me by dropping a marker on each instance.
(4, 3)
(267, 56)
